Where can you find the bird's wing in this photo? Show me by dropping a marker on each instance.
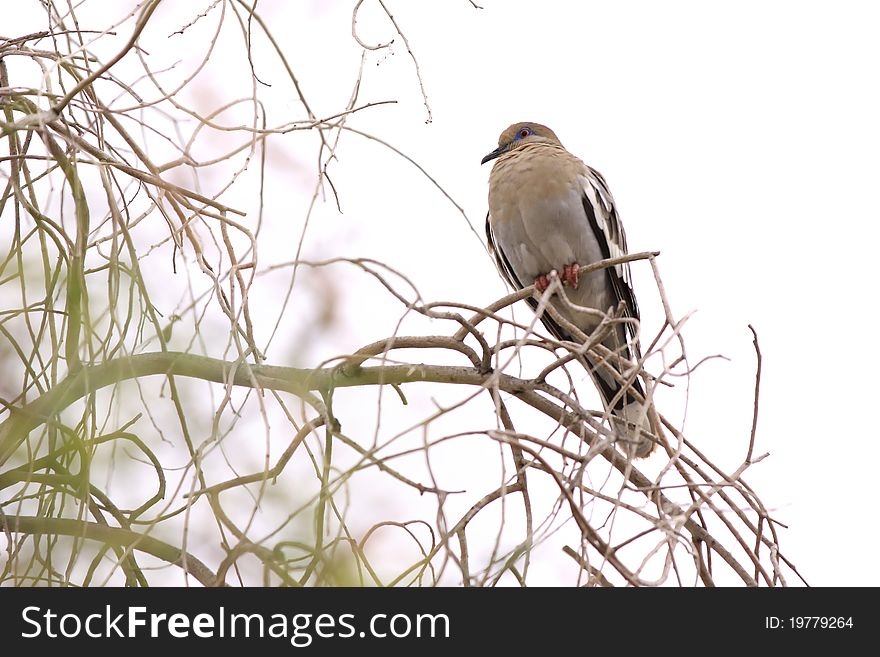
(501, 260)
(608, 231)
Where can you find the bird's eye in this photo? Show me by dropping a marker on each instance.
(525, 132)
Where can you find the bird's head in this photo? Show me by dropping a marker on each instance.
(522, 134)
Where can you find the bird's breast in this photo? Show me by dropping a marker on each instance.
(529, 177)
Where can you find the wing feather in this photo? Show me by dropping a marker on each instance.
(501, 260)
(608, 229)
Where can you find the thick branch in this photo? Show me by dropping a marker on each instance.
(115, 536)
(287, 379)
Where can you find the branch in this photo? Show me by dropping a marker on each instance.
(116, 536)
(297, 381)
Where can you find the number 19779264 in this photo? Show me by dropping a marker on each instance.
(820, 622)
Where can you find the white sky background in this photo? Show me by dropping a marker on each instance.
(741, 141)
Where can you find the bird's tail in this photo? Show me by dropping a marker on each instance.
(630, 417)
(633, 428)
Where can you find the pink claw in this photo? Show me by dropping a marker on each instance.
(542, 282)
(570, 275)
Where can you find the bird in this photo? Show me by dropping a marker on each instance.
(549, 216)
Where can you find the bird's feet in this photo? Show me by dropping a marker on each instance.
(569, 277)
(542, 282)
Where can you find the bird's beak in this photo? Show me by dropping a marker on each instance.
(491, 156)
